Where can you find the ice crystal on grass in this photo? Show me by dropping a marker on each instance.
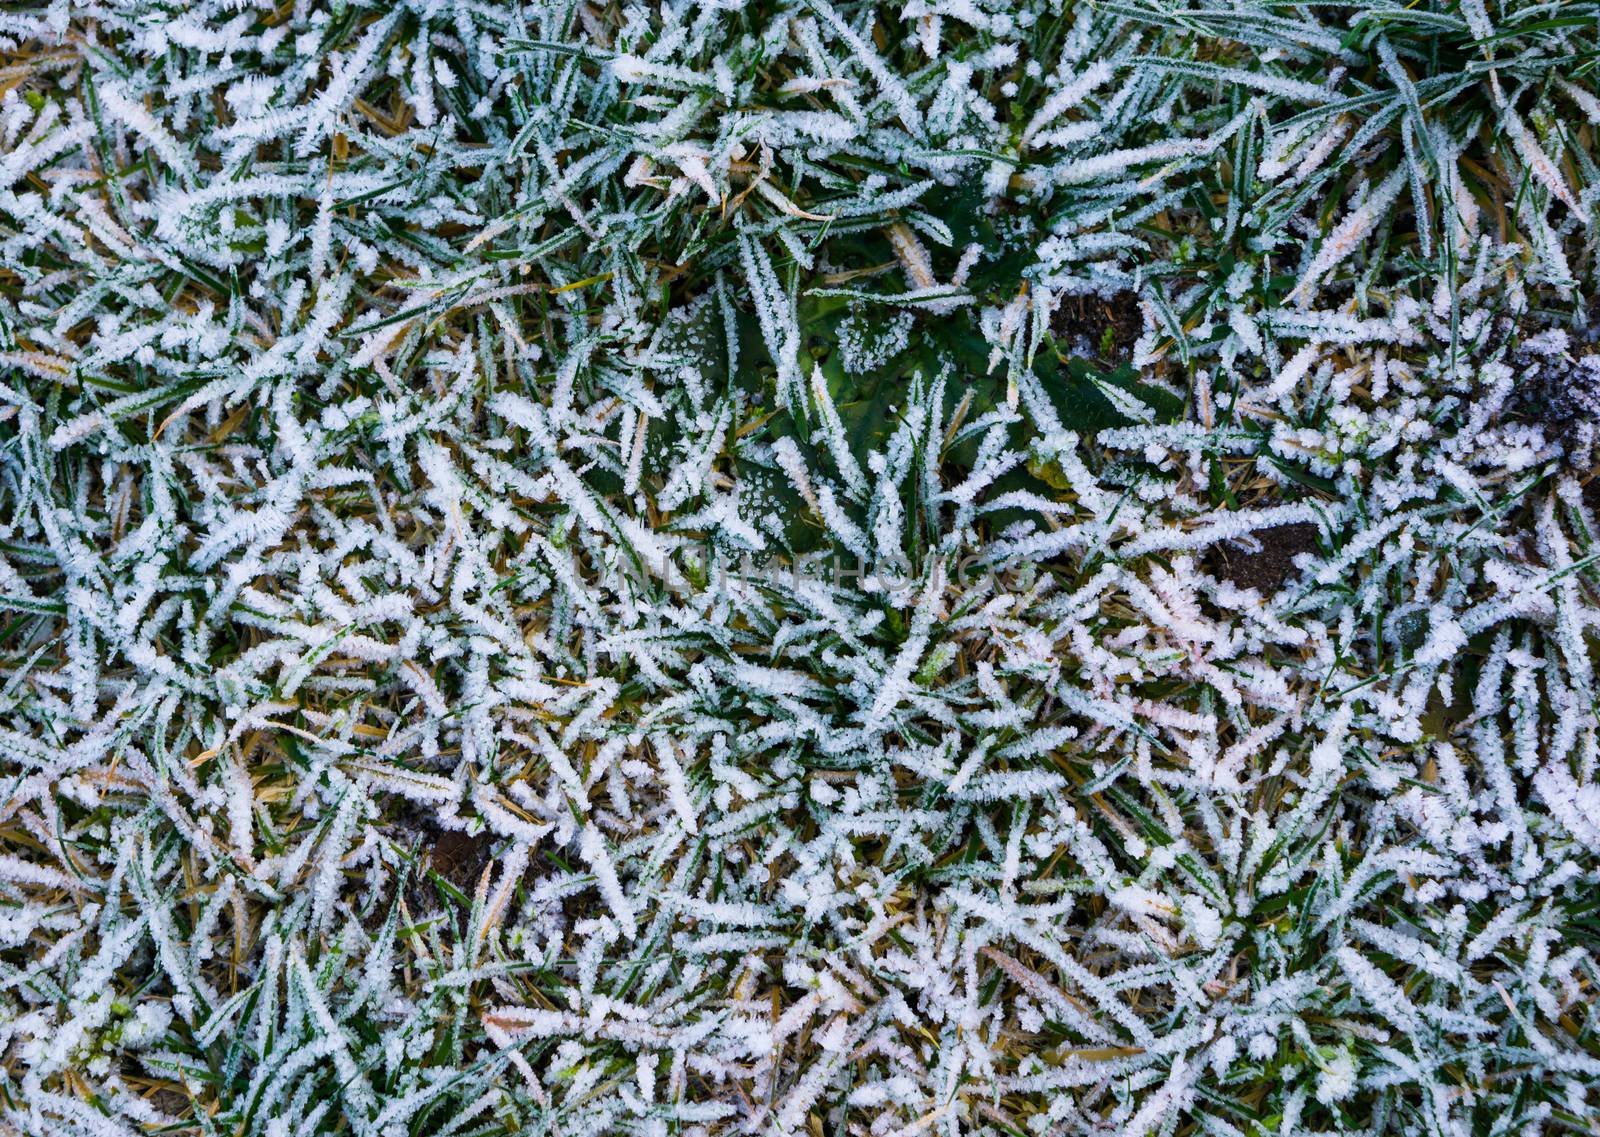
(994, 568)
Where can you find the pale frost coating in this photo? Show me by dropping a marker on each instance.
(554, 579)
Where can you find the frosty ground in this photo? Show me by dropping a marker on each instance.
(413, 721)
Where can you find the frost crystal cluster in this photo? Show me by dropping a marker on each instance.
(799, 567)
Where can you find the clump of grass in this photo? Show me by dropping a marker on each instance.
(996, 569)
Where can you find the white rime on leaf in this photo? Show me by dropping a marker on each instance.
(1347, 236)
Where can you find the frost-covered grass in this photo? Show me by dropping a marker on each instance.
(965, 567)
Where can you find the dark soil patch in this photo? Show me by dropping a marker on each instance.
(1096, 326)
(170, 1102)
(461, 858)
(453, 857)
(1591, 325)
(1269, 569)
(1560, 391)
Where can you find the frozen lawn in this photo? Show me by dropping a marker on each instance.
(799, 568)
